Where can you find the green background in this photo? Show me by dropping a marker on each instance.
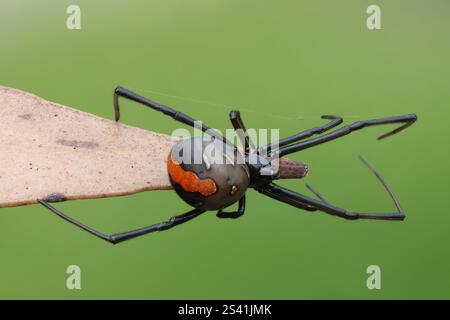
(284, 64)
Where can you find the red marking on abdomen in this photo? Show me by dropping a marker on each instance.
(188, 180)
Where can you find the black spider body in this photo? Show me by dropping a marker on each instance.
(222, 175)
(208, 174)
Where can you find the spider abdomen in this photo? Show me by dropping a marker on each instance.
(207, 174)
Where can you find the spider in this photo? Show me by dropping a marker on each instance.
(208, 185)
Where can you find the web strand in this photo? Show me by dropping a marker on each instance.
(249, 110)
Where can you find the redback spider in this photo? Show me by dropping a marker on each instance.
(209, 185)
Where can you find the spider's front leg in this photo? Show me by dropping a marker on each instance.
(284, 195)
(405, 121)
(299, 200)
(334, 121)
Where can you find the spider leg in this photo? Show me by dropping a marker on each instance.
(376, 173)
(334, 121)
(122, 236)
(287, 196)
(234, 214)
(406, 121)
(238, 125)
(317, 193)
(176, 115)
(241, 131)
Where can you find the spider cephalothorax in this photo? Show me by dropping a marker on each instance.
(212, 174)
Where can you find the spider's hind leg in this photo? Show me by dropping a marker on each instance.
(122, 236)
(174, 114)
(234, 214)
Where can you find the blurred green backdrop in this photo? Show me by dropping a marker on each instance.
(279, 62)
